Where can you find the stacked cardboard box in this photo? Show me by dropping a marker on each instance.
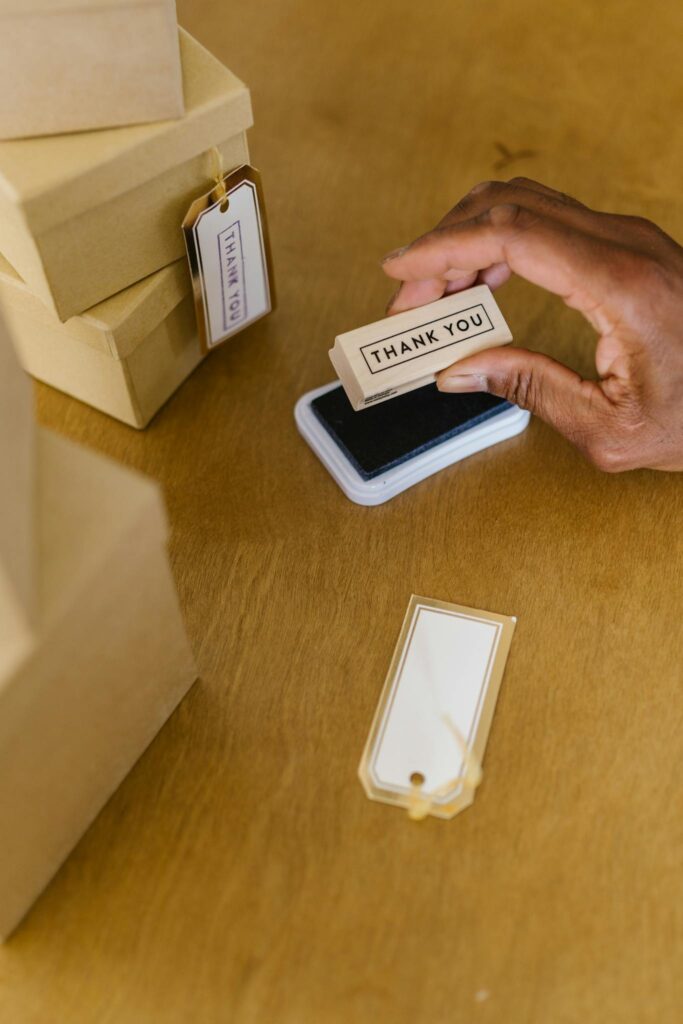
(125, 355)
(93, 653)
(17, 477)
(69, 65)
(95, 214)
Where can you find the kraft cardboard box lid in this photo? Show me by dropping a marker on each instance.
(54, 6)
(119, 324)
(55, 178)
(89, 505)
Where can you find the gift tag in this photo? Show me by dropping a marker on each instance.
(430, 729)
(227, 247)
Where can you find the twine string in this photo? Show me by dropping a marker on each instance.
(218, 173)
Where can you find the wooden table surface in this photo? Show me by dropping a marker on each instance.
(240, 875)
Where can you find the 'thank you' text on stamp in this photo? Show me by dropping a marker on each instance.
(406, 351)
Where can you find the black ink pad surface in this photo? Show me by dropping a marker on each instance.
(378, 452)
(384, 436)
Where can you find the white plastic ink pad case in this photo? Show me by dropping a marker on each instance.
(378, 452)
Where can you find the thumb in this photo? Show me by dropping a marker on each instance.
(575, 407)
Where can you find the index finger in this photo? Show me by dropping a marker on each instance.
(555, 256)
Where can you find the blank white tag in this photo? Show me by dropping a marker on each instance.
(225, 237)
(432, 722)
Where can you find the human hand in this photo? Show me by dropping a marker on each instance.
(623, 274)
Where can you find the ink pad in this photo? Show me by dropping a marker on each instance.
(378, 452)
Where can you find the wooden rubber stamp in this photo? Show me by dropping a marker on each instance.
(406, 351)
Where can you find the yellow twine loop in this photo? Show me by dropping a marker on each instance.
(218, 173)
(420, 803)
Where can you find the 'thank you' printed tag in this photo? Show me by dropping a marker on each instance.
(227, 247)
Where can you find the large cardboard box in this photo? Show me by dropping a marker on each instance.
(125, 356)
(84, 216)
(68, 65)
(85, 693)
(17, 491)
(87, 682)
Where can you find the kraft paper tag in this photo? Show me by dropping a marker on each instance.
(227, 247)
(429, 733)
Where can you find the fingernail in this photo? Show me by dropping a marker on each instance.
(394, 254)
(462, 382)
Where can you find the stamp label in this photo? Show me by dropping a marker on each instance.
(429, 337)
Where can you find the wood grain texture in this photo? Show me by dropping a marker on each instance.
(240, 875)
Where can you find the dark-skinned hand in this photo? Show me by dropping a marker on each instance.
(624, 274)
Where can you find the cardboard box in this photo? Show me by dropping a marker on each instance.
(70, 65)
(84, 693)
(17, 490)
(126, 356)
(84, 216)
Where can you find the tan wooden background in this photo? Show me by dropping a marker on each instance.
(240, 876)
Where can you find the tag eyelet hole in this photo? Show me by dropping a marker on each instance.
(224, 205)
(417, 779)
